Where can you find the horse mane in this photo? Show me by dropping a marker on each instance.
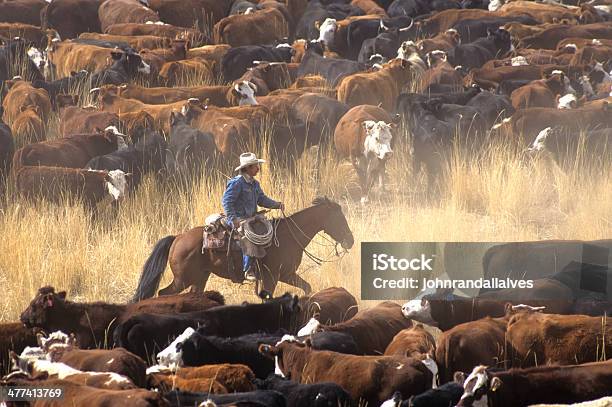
(323, 200)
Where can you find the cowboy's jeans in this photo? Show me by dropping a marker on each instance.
(247, 261)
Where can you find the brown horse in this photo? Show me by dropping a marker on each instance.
(293, 233)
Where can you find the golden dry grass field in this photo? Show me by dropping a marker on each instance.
(499, 196)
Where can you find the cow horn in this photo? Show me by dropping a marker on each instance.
(409, 26)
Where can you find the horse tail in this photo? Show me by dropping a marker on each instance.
(153, 269)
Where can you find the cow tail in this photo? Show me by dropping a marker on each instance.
(153, 269)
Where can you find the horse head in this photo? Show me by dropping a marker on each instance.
(334, 222)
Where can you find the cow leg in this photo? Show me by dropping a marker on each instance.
(298, 282)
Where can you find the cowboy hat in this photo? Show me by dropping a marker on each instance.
(247, 159)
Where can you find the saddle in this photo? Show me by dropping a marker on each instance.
(216, 235)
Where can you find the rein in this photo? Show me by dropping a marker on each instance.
(317, 260)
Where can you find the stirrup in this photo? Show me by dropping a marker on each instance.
(250, 276)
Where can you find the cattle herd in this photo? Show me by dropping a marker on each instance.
(175, 87)
(513, 347)
(179, 87)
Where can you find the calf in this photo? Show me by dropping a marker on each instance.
(92, 322)
(233, 377)
(123, 70)
(475, 54)
(306, 395)
(143, 333)
(20, 96)
(57, 370)
(71, 152)
(540, 93)
(440, 72)
(364, 134)
(444, 42)
(559, 340)
(471, 344)
(56, 184)
(28, 127)
(117, 360)
(545, 384)
(414, 342)
(378, 378)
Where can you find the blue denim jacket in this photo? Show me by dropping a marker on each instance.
(241, 198)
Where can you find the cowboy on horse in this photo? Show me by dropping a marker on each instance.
(240, 200)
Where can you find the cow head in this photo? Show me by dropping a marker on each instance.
(327, 30)
(310, 328)
(568, 101)
(419, 310)
(502, 40)
(283, 354)
(44, 308)
(116, 183)
(408, 51)
(435, 57)
(476, 387)
(585, 84)
(598, 74)
(245, 92)
(318, 47)
(378, 139)
(559, 83)
(112, 132)
(453, 36)
(172, 356)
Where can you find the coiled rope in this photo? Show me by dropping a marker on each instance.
(260, 240)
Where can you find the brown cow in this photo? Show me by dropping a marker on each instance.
(28, 32)
(124, 11)
(137, 41)
(77, 120)
(374, 328)
(320, 114)
(28, 127)
(14, 336)
(24, 11)
(187, 71)
(261, 27)
(540, 93)
(191, 13)
(525, 124)
(71, 17)
(59, 184)
(547, 339)
(82, 395)
(545, 13)
(233, 377)
(414, 342)
(92, 322)
(216, 95)
(212, 53)
(440, 72)
(444, 41)
(166, 383)
(365, 136)
(21, 95)
(549, 38)
(380, 87)
(471, 344)
(159, 56)
(71, 152)
(110, 101)
(372, 379)
(158, 30)
(329, 306)
(117, 360)
(67, 57)
(268, 77)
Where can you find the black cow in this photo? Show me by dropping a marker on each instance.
(332, 69)
(190, 150)
(200, 349)
(472, 29)
(507, 86)
(323, 394)
(258, 398)
(416, 8)
(66, 85)
(238, 59)
(446, 395)
(123, 70)
(492, 108)
(466, 119)
(475, 54)
(457, 98)
(146, 155)
(144, 333)
(317, 12)
(385, 44)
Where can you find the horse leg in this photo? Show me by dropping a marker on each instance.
(268, 279)
(199, 286)
(298, 282)
(173, 288)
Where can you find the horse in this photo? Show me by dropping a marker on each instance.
(192, 268)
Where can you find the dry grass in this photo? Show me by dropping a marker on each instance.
(496, 197)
